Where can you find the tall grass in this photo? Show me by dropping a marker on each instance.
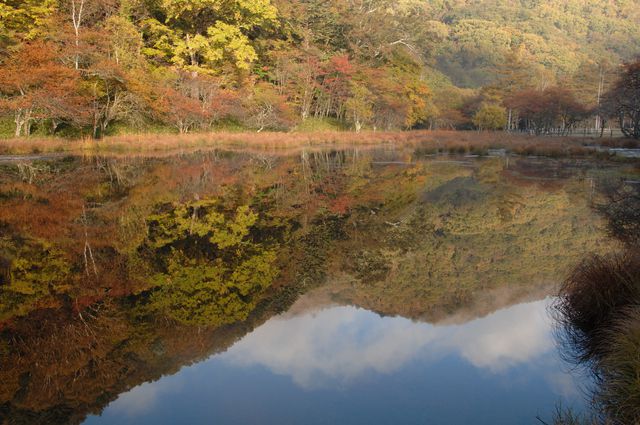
(596, 296)
(428, 141)
(620, 390)
(599, 311)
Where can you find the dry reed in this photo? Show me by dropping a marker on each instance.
(429, 141)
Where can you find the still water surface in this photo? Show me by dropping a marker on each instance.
(348, 365)
(352, 286)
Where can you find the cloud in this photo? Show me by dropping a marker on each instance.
(343, 343)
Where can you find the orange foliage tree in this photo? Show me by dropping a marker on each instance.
(554, 109)
(36, 86)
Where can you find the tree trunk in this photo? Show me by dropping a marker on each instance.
(27, 124)
(76, 12)
(192, 55)
(19, 122)
(96, 119)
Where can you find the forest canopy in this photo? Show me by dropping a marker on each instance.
(90, 67)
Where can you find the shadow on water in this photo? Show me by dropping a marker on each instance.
(116, 272)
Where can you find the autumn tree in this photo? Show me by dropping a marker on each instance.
(36, 86)
(623, 100)
(514, 74)
(266, 109)
(184, 112)
(126, 42)
(401, 100)
(23, 20)
(553, 109)
(359, 106)
(490, 117)
(83, 17)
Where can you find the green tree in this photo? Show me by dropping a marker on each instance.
(23, 19)
(490, 117)
(359, 106)
(201, 35)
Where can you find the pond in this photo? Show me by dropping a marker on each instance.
(372, 285)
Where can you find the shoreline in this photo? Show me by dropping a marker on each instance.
(425, 141)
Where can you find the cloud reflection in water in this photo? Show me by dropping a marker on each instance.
(357, 365)
(340, 344)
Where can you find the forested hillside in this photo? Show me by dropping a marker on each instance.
(99, 67)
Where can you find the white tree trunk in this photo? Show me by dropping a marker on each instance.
(19, 122)
(77, 8)
(358, 125)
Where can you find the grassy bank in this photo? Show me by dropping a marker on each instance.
(426, 142)
(599, 313)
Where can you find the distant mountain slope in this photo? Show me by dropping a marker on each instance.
(561, 35)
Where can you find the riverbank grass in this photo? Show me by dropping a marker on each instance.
(425, 142)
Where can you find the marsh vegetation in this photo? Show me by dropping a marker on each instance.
(599, 311)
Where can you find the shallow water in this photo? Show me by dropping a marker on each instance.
(352, 286)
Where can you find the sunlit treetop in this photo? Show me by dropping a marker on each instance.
(202, 34)
(24, 20)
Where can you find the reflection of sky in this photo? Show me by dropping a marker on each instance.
(344, 342)
(347, 365)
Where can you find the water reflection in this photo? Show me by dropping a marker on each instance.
(345, 343)
(120, 272)
(324, 357)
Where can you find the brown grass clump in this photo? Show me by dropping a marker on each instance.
(595, 296)
(599, 313)
(620, 390)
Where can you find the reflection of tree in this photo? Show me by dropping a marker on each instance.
(471, 240)
(36, 270)
(212, 268)
(200, 219)
(212, 294)
(622, 211)
(211, 264)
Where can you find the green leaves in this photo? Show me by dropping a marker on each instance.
(24, 19)
(227, 41)
(203, 35)
(244, 14)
